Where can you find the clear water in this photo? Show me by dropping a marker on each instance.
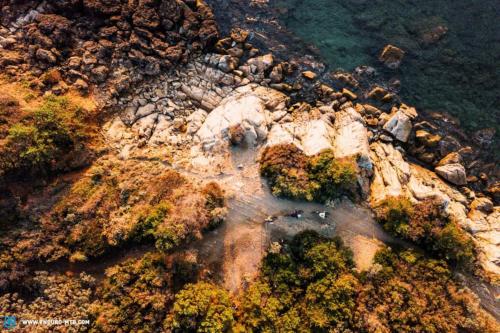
(458, 74)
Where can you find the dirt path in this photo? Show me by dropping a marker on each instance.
(244, 238)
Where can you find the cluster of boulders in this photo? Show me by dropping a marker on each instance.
(245, 115)
(112, 43)
(176, 102)
(435, 141)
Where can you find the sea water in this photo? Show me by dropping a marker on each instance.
(452, 47)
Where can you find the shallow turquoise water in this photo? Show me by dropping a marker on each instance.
(458, 73)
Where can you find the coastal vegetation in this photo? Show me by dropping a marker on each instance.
(106, 209)
(311, 286)
(201, 307)
(426, 224)
(308, 284)
(118, 119)
(46, 138)
(294, 175)
(134, 296)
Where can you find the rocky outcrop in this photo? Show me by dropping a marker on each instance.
(114, 43)
(454, 173)
(351, 140)
(311, 136)
(485, 228)
(351, 137)
(450, 168)
(482, 204)
(249, 108)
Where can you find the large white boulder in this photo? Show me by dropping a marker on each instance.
(248, 108)
(351, 141)
(351, 137)
(311, 136)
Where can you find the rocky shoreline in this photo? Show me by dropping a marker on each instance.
(171, 92)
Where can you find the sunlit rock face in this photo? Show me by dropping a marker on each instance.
(249, 109)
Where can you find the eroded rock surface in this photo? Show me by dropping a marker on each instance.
(454, 173)
(311, 136)
(113, 44)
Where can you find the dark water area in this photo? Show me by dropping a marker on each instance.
(452, 61)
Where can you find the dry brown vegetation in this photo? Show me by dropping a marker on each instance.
(112, 204)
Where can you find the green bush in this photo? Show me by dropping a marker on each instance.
(330, 302)
(394, 214)
(456, 245)
(215, 204)
(147, 224)
(43, 137)
(310, 286)
(319, 178)
(201, 307)
(284, 166)
(168, 236)
(134, 296)
(158, 227)
(426, 224)
(331, 177)
(411, 293)
(307, 287)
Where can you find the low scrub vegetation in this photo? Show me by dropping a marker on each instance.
(310, 286)
(50, 296)
(319, 178)
(307, 284)
(102, 213)
(201, 307)
(426, 224)
(113, 205)
(47, 139)
(134, 296)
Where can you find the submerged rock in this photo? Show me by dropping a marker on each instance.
(392, 56)
(309, 75)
